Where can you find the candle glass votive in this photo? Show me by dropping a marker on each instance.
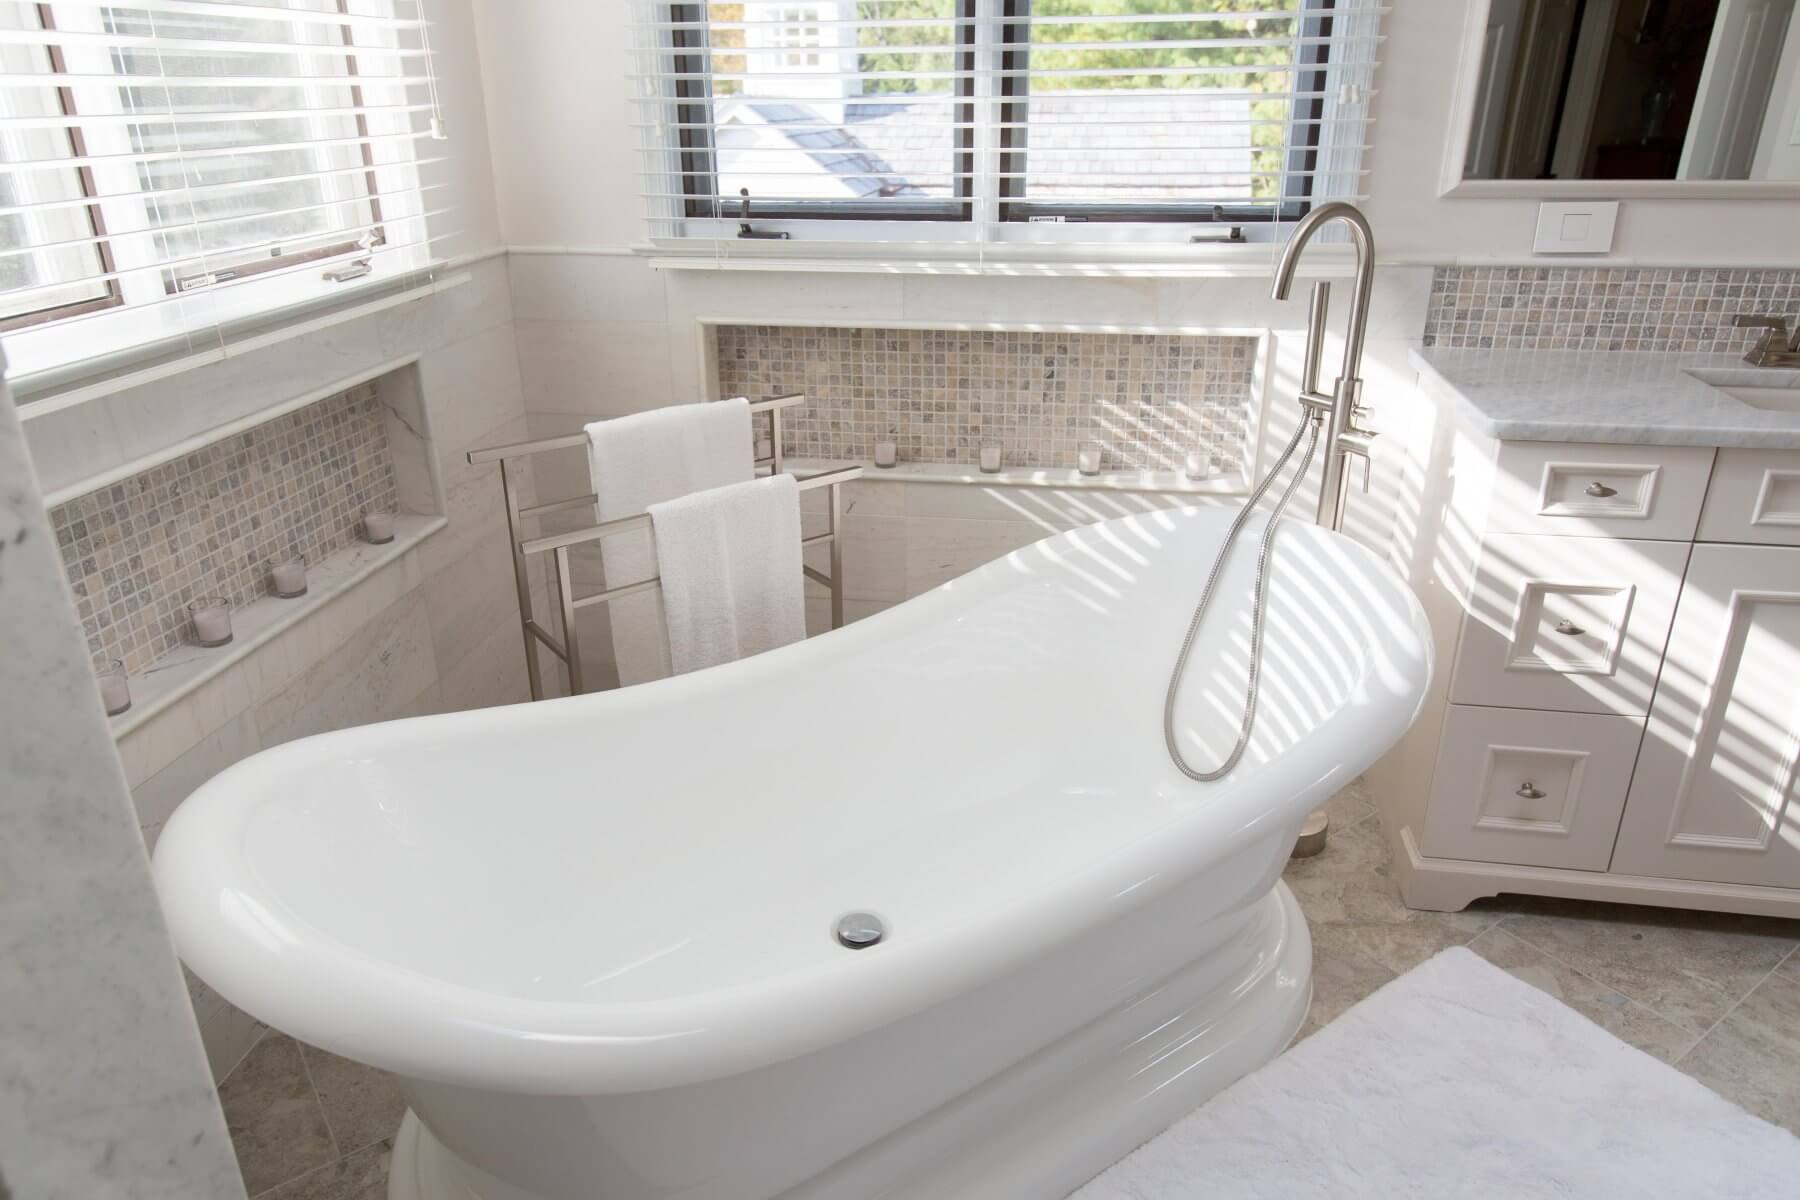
(115, 689)
(289, 577)
(378, 527)
(1087, 458)
(887, 453)
(211, 621)
(990, 456)
(1197, 465)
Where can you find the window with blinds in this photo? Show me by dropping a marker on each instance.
(818, 109)
(1000, 113)
(167, 166)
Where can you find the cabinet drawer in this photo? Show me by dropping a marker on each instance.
(1577, 624)
(1582, 490)
(1754, 497)
(1535, 788)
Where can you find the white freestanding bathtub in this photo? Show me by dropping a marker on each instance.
(595, 937)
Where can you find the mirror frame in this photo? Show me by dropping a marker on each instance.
(1451, 183)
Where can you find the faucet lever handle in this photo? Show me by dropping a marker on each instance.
(1774, 338)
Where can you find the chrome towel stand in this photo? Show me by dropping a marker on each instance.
(558, 545)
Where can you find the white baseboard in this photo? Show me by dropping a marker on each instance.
(1449, 885)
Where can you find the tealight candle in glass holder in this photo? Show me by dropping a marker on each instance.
(886, 452)
(289, 577)
(211, 619)
(115, 690)
(1087, 459)
(990, 456)
(378, 526)
(1197, 465)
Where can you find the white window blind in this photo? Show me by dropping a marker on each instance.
(997, 120)
(173, 169)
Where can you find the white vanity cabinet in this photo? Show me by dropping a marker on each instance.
(1616, 713)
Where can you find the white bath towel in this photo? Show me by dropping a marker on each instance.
(730, 562)
(641, 460)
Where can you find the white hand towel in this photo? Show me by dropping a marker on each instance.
(730, 562)
(641, 460)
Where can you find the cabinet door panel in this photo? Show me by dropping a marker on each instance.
(1713, 795)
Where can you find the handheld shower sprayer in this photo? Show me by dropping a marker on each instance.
(1332, 414)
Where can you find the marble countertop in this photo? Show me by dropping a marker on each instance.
(1623, 397)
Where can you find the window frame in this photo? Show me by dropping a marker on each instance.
(700, 186)
(1016, 206)
(1008, 204)
(98, 204)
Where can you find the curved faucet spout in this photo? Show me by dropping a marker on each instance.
(1364, 238)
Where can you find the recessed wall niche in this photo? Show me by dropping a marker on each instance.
(1146, 398)
(212, 521)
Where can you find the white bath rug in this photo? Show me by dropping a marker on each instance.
(1457, 1080)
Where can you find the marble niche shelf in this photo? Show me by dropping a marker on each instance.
(182, 670)
(1161, 482)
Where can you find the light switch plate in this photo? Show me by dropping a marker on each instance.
(1576, 227)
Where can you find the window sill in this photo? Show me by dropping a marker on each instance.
(182, 672)
(1078, 260)
(39, 393)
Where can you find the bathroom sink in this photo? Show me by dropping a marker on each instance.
(1777, 399)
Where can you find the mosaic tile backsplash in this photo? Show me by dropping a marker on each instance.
(1148, 399)
(210, 523)
(1604, 308)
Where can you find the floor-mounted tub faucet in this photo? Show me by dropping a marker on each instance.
(1333, 414)
(1341, 408)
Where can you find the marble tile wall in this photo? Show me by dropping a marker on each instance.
(212, 522)
(1147, 399)
(1604, 308)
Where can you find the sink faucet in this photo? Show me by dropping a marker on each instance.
(1340, 409)
(1775, 348)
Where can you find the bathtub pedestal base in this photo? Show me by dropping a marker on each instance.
(1048, 1124)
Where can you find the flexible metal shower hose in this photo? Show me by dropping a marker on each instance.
(1310, 428)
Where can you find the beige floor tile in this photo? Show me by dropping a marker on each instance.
(362, 1105)
(1753, 1055)
(1341, 976)
(1350, 885)
(1689, 967)
(1613, 1011)
(1352, 806)
(274, 1118)
(359, 1176)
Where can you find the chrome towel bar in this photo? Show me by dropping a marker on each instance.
(558, 545)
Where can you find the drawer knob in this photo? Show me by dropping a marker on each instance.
(1530, 791)
(1597, 488)
(1570, 628)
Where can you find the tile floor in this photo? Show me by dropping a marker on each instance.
(1718, 996)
